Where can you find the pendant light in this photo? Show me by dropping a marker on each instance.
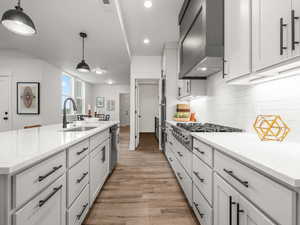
(18, 22)
(83, 66)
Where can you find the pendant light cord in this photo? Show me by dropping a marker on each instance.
(19, 3)
(83, 48)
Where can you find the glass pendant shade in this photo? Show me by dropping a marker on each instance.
(18, 22)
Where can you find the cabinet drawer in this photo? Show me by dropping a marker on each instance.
(202, 178)
(273, 198)
(78, 152)
(98, 139)
(185, 182)
(203, 151)
(47, 208)
(79, 209)
(31, 181)
(201, 208)
(184, 156)
(78, 177)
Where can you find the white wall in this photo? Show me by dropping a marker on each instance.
(109, 92)
(149, 105)
(24, 68)
(142, 67)
(238, 106)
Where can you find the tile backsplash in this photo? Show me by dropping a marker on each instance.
(238, 106)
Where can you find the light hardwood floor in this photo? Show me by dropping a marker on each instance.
(141, 191)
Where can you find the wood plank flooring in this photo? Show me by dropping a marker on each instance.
(141, 191)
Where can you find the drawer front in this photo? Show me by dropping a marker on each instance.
(185, 182)
(203, 151)
(78, 177)
(47, 208)
(201, 208)
(79, 209)
(203, 178)
(38, 177)
(259, 189)
(171, 158)
(78, 152)
(170, 142)
(98, 139)
(185, 157)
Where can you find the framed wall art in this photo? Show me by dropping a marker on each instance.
(28, 98)
(100, 101)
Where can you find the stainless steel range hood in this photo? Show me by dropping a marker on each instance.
(201, 43)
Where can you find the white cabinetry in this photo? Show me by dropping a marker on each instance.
(271, 26)
(230, 208)
(237, 38)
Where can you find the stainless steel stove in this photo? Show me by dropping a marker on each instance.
(182, 131)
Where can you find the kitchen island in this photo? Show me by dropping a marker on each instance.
(50, 175)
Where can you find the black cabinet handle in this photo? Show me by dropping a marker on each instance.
(179, 175)
(197, 175)
(230, 173)
(170, 159)
(170, 143)
(82, 177)
(55, 190)
(180, 154)
(103, 154)
(82, 211)
(294, 42)
(238, 212)
(282, 25)
(231, 203)
(198, 150)
(41, 178)
(82, 151)
(197, 207)
(5, 118)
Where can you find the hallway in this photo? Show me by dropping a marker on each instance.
(141, 191)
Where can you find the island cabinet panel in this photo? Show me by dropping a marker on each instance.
(78, 152)
(47, 208)
(80, 208)
(29, 182)
(274, 199)
(99, 159)
(98, 139)
(78, 178)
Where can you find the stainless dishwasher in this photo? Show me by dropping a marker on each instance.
(114, 143)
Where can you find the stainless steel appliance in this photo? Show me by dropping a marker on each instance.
(182, 131)
(114, 145)
(201, 38)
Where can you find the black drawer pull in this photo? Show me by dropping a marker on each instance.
(179, 175)
(171, 159)
(230, 173)
(41, 178)
(197, 207)
(82, 211)
(55, 190)
(103, 154)
(197, 175)
(180, 154)
(81, 178)
(170, 143)
(82, 151)
(198, 150)
(238, 212)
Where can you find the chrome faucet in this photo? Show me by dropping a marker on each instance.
(65, 110)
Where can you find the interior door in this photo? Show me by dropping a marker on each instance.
(137, 115)
(124, 109)
(4, 104)
(271, 25)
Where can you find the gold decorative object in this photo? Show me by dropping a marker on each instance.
(271, 128)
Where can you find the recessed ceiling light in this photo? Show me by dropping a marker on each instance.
(110, 82)
(146, 41)
(148, 4)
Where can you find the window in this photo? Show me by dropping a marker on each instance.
(73, 88)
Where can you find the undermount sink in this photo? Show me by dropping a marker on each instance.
(79, 129)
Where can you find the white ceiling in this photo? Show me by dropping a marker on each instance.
(59, 22)
(158, 23)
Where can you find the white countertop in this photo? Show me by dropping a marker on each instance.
(21, 148)
(280, 160)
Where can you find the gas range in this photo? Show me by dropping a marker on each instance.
(182, 131)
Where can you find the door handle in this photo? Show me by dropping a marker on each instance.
(282, 25)
(294, 42)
